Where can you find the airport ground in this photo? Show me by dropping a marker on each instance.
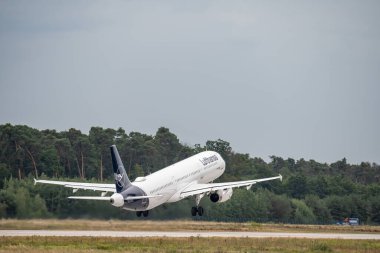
(33, 244)
(176, 225)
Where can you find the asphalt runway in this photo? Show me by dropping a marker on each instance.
(67, 233)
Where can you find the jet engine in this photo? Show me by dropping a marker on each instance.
(221, 195)
(117, 200)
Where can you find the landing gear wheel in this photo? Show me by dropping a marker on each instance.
(138, 213)
(145, 213)
(194, 211)
(197, 210)
(200, 210)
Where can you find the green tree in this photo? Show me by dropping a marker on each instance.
(280, 209)
(318, 185)
(137, 171)
(4, 174)
(50, 163)
(339, 207)
(331, 191)
(102, 139)
(7, 201)
(359, 207)
(83, 153)
(375, 210)
(168, 145)
(319, 208)
(302, 213)
(297, 186)
(66, 156)
(242, 164)
(277, 163)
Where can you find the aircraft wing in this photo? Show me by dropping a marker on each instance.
(196, 189)
(78, 185)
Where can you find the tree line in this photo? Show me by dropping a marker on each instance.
(311, 192)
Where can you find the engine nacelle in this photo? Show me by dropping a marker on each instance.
(117, 200)
(221, 195)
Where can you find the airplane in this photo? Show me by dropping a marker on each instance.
(189, 177)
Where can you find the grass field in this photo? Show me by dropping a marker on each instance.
(184, 225)
(194, 244)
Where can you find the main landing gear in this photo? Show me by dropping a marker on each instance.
(197, 209)
(144, 213)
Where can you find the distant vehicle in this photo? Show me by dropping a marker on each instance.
(353, 221)
(349, 222)
(189, 177)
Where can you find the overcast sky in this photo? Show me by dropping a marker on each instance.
(294, 79)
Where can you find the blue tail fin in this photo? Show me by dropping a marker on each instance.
(121, 178)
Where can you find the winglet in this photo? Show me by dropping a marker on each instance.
(280, 177)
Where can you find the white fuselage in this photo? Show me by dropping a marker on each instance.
(170, 181)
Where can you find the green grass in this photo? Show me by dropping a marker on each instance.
(193, 244)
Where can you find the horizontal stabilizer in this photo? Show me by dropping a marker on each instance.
(109, 198)
(142, 197)
(79, 185)
(90, 197)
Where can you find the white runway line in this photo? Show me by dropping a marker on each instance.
(8, 233)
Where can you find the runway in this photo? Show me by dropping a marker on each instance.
(131, 234)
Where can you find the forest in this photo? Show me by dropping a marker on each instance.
(310, 193)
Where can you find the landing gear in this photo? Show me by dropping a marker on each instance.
(144, 213)
(200, 210)
(195, 210)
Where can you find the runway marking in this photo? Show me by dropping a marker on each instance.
(67, 233)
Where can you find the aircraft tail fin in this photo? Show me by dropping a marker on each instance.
(121, 178)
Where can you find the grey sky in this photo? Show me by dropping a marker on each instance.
(289, 78)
